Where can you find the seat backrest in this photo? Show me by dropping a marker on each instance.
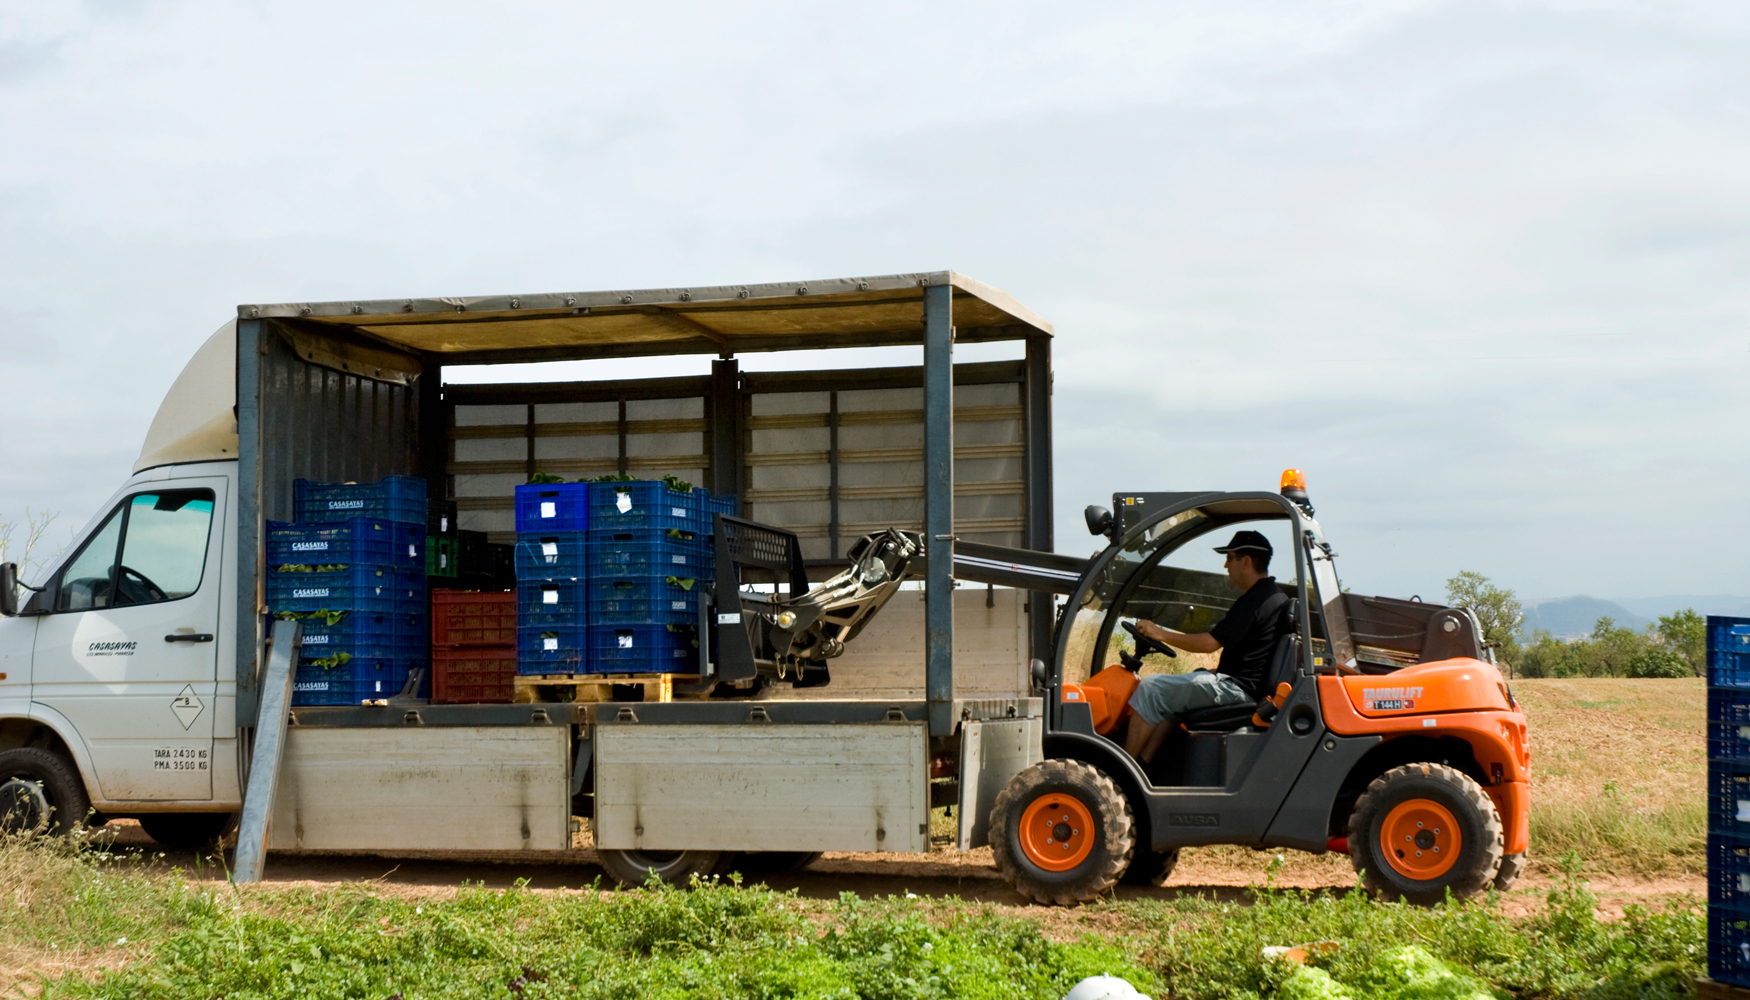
(1286, 657)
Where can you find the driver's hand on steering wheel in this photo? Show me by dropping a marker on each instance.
(1151, 630)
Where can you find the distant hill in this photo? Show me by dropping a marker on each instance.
(1573, 617)
(1714, 604)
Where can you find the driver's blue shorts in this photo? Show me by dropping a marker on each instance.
(1163, 696)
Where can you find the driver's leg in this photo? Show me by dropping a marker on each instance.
(1154, 707)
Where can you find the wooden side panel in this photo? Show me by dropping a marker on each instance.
(990, 754)
(437, 789)
(886, 660)
(760, 787)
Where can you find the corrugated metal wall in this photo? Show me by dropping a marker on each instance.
(329, 426)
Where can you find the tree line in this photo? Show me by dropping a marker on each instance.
(1673, 646)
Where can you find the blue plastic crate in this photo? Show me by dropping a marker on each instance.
(1728, 871)
(714, 503)
(357, 681)
(551, 602)
(643, 600)
(641, 553)
(644, 504)
(371, 540)
(1728, 797)
(1728, 635)
(552, 649)
(393, 498)
(359, 587)
(1728, 724)
(354, 627)
(1728, 944)
(643, 649)
(544, 555)
(1726, 670)
(543, 507)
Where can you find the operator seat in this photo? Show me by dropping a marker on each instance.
(1283, 662)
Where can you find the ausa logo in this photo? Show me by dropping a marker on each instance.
(1390, 699)
(110, 649)
(1193, 819)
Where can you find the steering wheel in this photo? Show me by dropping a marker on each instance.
(1144, 644)
(134, 588)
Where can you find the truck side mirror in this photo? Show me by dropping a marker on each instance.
(9, 589)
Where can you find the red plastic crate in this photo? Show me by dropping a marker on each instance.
(473, 619)
(473, 676)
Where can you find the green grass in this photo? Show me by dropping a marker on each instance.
(140, 933)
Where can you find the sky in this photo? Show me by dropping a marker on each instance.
(1480, 269)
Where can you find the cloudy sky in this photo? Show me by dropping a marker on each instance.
(1478, 268)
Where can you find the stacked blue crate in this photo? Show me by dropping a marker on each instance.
(352, 569)
(552, 521)
(1728, 814)
(650, 556)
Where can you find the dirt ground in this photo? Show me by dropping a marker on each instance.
(1222, 873)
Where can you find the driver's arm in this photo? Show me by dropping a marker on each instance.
(1190, 642)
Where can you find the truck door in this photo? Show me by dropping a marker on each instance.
(126, 652)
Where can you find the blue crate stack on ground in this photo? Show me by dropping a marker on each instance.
(1728, 814)
(552, 521)
(364, 611)
(649, 555)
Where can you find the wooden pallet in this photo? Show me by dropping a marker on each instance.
(595, 687)
(1708, 989)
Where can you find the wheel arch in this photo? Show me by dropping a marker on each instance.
(70, 745)
(1112, 761)
(1453, 751)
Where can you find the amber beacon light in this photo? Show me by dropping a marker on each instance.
(1294, 487)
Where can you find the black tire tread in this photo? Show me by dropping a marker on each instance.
(1463, 883)
(61, 782)
(1118, 837)
(1150, 868)
(1512, 866)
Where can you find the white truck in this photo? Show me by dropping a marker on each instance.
(132, 670)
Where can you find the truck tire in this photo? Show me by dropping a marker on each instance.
(1150, 867)
(1062, 832)
(40, 793)
(1422, 829)
(631, 868)
(773, 862)
(187, 831)
(1511, 866)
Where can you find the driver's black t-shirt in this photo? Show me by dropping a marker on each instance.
(1248, 634)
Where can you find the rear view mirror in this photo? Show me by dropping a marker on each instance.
(1036, 670)
(9, 589)
(1099, 520)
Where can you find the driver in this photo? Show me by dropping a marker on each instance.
(1246, 638)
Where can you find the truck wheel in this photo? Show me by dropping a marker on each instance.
(1061, 832)
(631, 868)
(1511, 866)
(40, 793)
(1422, 829)
(1150, 867)
(186, 831)
(775, 862)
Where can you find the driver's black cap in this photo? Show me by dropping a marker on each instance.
(1247, 541)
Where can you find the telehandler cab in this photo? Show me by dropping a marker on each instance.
(1386, 732)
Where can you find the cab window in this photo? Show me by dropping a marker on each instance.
(161, 554)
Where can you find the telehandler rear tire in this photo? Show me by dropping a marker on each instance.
(1511, 867)
(40, 793)
(1062, 832)
(631, 868)
(1150, 867)
(1422, 829)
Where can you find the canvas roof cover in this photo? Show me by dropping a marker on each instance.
(723, 320)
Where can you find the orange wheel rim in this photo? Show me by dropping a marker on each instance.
(1420, 839)
(1057, 832)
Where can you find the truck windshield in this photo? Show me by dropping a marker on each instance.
(161, 541)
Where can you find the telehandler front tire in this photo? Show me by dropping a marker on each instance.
(40, 793)
(1422, 829)
(1062, 832)
(1151, 868)
(1511, 867)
